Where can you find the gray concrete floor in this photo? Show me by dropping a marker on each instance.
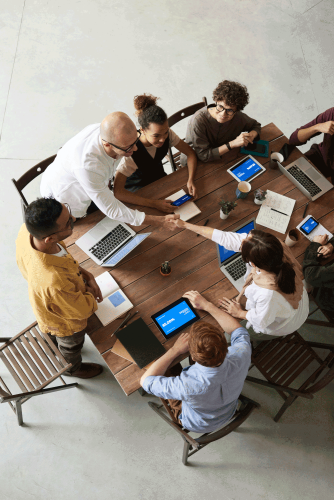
(67, 64)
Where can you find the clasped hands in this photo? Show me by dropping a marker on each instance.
(325, 250)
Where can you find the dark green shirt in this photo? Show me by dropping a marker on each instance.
(320, 276)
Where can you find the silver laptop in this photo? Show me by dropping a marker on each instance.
(109, 242)
(231, 263)
(306, 178)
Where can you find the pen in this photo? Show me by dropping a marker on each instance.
(127, 318)
(205, 223)
(305, 210)
(279, 212)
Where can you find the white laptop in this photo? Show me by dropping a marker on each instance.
(306, 178)
(231, 263)
(109, 242)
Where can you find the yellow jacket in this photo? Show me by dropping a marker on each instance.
(57, 291)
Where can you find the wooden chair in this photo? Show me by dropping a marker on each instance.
(177, 117)
(329, 323)
(281, 361)
(33, 361)
(29, 176)
(191, 445)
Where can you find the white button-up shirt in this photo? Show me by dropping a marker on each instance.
(81, 173)
(268, 311)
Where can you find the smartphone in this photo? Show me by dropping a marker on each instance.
(309, 225)
(183, 199)
(256, 147)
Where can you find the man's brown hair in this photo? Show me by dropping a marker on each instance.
(207, 344)
(232, 93)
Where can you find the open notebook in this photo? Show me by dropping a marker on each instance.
(186, 211)
(115, 301)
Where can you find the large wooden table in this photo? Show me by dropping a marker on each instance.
(193, 259)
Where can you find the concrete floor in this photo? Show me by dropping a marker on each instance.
(66, 64)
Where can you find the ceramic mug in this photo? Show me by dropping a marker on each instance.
(274, 159)
(243, 189)
(292, 237)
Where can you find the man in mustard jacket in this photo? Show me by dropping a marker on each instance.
(61, 293)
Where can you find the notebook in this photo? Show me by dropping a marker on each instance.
(115, 301)
(140, 343)
(275, 212)
(120, 350)
(188, 210)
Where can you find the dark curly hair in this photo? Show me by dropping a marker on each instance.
(207, 344)
(266, 252)
(41, 217)
(147, 111)
(232, 93)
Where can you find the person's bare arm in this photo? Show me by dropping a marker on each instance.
(205, 231)
(184, 148)
(304, 134)
(241, 141)
(160, 366)
(227, 322)
(126, 196)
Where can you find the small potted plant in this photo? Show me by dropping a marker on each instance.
(259, 196)
(226, 208)
(165, 268)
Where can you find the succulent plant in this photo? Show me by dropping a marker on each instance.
(259, 194)
(227, 206)
(165, 267)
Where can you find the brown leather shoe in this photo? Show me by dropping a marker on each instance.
(87, 370)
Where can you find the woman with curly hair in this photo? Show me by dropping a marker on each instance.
(145, 164)
(216, 129)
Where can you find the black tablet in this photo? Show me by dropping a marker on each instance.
(174, 318)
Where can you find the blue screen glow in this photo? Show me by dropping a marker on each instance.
(175, 317)
(309, 225)
(246, 169)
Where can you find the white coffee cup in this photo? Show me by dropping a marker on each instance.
(292, 237)
(274, 158)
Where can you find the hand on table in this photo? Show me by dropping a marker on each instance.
(164, 206)
(231, 307)
(94, 289)
(321, 238)
(196, 300)
(192, 189)
(326, 250)
(242, 140)
(326, 128)
(181, 345)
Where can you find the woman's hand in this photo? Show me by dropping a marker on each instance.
(191, 189)
(326, 250)
(232, 307)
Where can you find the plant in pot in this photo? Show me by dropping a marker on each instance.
(165, 268)
(259, 196)
(226, 208)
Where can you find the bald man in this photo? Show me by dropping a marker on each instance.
(81, 172)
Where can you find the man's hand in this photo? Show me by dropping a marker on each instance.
(321, 238)
(326, 250)
(231, 307)
(94, 289)
(164, 206)
(181, 345)
(197, 300)
(170, 221)
(242, 140)
(191, 189)
(326, 128)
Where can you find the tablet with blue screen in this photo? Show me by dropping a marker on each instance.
(246, 169)
(174, 318)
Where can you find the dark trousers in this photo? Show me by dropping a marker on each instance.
(70, 347)
(314, 155)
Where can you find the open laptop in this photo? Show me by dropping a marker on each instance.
(306, 178)
(109, 242)
(231, 263)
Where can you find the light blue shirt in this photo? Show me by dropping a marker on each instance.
(209, 395)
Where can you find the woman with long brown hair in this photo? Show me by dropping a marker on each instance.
(145, 164)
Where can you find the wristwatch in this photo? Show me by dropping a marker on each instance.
(228, 146)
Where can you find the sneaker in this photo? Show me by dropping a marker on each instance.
(86, 370)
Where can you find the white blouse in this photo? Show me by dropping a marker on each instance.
(267, 310)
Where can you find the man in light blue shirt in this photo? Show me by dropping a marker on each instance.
(208, 389)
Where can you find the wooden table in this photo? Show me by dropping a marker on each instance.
(193, 259)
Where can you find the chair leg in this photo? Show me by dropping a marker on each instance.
(285, 406)
(18, 408)
(186, 448)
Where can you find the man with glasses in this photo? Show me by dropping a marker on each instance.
(216, 129)
(62, 294)
(84, 167)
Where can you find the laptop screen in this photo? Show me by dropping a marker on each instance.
(246, 169)
(226, 254)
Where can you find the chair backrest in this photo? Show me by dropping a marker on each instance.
(185, 112)
(32, 359)
(30, 175)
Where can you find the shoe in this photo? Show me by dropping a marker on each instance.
(87, 370)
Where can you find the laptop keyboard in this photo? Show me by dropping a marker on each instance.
(110, 242)
(237, 269)
(304, 180)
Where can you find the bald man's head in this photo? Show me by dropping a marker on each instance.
(118, 129)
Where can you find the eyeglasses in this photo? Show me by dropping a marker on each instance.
(69, 223)
(127, 150)
(221, 108)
